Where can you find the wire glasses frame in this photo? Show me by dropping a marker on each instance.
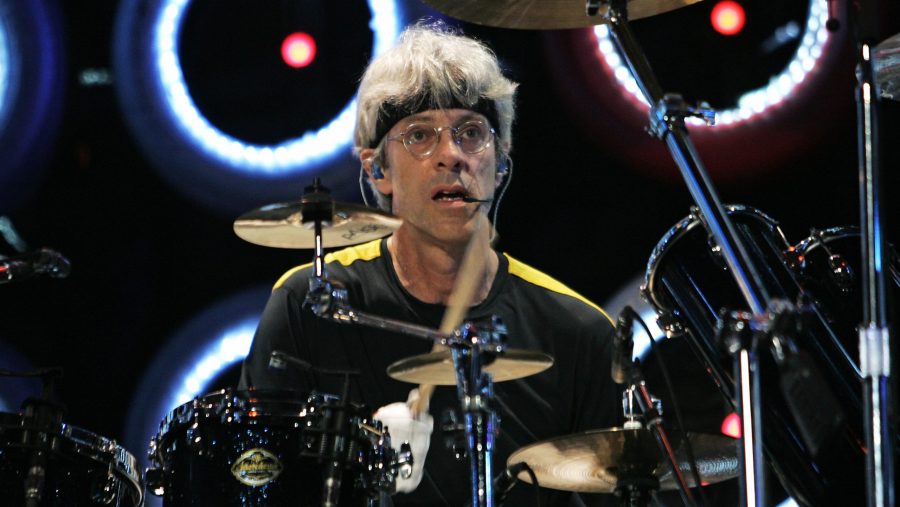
(421, 139)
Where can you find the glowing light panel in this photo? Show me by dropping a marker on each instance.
(287, 157)
(298, 50)
(5, 65)
(754, 102)
(728, 17)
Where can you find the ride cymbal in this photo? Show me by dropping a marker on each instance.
(281, 226)
(601, 461)
(548, 14)
(436, 368)
(887, 67)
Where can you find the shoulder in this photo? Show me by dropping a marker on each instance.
(340, 260)
(541, 283)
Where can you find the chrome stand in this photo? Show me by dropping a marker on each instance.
(667, 117)
(874, 331)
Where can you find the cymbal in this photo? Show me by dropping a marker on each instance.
(887, 67)
(436, 368)
(596, 461)
(538, 14)
(281, 226)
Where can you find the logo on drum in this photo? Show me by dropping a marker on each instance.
(256, 467)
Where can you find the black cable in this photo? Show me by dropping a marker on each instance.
(534, 482)
(692, 462)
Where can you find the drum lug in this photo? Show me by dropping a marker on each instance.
(670, 324)
(403, 461)
(153, 477)
(104, 491)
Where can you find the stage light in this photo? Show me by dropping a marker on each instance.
(244, 131)
(728, 17)
(731, 425)
(194, 362)
(298, 50)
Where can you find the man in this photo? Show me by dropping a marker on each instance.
(433, 135)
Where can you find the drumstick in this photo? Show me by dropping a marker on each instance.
(470, 273)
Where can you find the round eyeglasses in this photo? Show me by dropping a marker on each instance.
(420, 139)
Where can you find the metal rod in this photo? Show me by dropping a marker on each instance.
(874, 332)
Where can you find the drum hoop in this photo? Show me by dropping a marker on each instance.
(681, 228)
(87, 444)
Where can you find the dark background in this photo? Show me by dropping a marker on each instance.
(584, 205)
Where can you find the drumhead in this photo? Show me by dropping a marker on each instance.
(649, 290)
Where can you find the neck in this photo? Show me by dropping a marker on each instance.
(428, 268)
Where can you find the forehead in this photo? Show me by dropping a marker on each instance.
(439, 117)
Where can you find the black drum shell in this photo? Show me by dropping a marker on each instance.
(77, 466)
(689, 285)
(201, 442)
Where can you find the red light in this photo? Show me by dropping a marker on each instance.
(728, 17)
(731, 425)
(298, 50)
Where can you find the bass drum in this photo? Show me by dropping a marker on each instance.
(812, 430)
(237, 448)
(81, 469)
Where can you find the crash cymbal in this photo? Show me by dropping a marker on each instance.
(887, 67)
(597, 461)
(281, 226)
(436, 368)
(538, 14)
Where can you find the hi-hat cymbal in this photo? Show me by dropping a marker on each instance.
(436, 368)
(547, 14)
(281, 226)
(597, 461)
(887, 67)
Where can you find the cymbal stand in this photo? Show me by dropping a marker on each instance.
(667, 115)
(472, 346)
(874, 331)
(653, 421)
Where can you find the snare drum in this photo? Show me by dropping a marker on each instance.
(268, 448)
(81, 469)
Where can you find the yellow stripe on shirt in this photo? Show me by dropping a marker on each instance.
(532, 275)
(346, 257)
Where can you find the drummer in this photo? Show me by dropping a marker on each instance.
(434, 128)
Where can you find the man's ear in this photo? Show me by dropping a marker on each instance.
(375, 171)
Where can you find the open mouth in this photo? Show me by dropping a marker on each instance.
(454, 194)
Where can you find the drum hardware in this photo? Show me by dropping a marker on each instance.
(635, 488)
(43, 262)
(473, 346)
(401, 463)
(290, 225)
(263, 447)
(548, 14)
(52, 462)
(887, 67)
(607, 460)
(874, 330)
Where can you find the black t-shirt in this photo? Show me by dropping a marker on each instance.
(540, 314)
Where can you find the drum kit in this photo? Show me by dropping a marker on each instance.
(771, 322)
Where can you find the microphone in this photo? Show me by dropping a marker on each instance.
(33, 264)
(833, 23)
(472, 199)
(506, 480)
(623, 347)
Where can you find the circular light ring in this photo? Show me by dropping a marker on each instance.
(215, 168)
(607, 106)
(31, 91)
(15, 390)
(755, 102)
(216, 339)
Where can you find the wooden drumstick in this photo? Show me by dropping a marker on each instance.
(471, 271)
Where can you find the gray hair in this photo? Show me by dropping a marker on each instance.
(432, 67)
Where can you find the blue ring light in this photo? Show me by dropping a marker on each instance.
(31, 89)
(215, 340)
(215, 168)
